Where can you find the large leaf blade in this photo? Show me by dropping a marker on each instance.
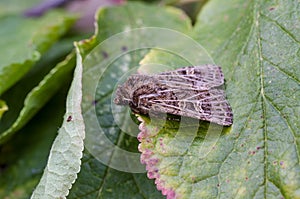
(257, 47)
(110, 183)
(37, 98)
(21, 33)
(263, 73)
(65, 156)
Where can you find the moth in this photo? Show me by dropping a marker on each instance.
(193, 91)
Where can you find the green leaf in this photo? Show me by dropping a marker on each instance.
(140, 18)
(3, 108)
(110, 180)
(39, 95)
(263, 73)
(23, 159)
(257, 45)
(64, 159)
(25, 40)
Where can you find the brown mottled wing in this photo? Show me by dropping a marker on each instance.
(209, 105)
(193, 77)
(188, 91)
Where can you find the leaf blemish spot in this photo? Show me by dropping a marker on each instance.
(257, 148)
(272, 8)
(193, 179)
(104, 54)
(124, 48)
(161, 142)
(282, 164)
(94, 102)
(69, 119)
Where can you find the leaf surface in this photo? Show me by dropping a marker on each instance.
(257, 45)
(108, 181)
(23, 158)
(37, 97)
(262, 66)
(66, 152)
(21, 33)
(3, 108)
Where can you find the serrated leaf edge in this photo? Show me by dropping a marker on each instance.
(146, 145)
(68, 145)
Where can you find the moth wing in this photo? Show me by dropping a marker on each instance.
(209, 105)
(193, 77)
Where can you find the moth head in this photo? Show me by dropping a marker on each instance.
(125, 92)
(122, 96)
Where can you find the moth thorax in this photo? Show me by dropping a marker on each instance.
(141, 99)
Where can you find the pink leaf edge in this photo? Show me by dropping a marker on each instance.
(148, 158)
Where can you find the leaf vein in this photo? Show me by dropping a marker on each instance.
(281, 28)
(233, 35)
(137, 185)
(268, 100)
(263, 107)
(278, 187)
(281, 70)
(251, 112)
